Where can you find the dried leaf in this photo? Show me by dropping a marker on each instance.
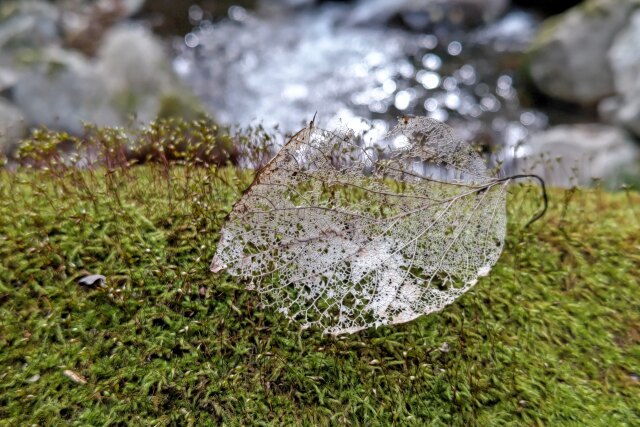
(347, 235)
(92, 279)
(74, 376)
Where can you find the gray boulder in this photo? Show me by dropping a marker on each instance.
(25, 27)
(126, 8)
(568, 60)
(136, 71)
(570, 155)
(28, 23)
(131, 80)
(8, 77)
(85, 22)
(62, 90)
(624, 57)
(12, 127)
(421, 14)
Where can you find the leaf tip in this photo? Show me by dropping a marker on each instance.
(217, 265)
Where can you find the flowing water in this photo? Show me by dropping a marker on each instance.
(282, 65)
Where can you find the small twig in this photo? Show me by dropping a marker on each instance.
(545, 198)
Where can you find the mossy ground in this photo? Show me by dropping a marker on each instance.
(550, 337)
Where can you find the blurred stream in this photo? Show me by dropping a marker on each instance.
(280, 65)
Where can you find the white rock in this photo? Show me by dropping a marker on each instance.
(63, 90)
(568, 60)
(130, 79)
(624, 56)
(12, 127)
(28, 23)
(608, 109)
(8, 77)
(135, 69)
(469, 11)
(570, 155)
(25, 27)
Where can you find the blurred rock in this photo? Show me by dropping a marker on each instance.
(79, 24)
(85, 23)
(131, 80)
(8, 77)
(25, 27)
(127, 7)
(132, 58)
(136, 71)
(569, 155)
(12, 127)
(568, 60)
(608, 108)
(27, 24)
(61, 90)
(624, 57)
(420, 15)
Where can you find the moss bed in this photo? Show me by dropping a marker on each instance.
(550, 337)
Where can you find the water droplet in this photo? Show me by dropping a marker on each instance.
(429, 41)
(237, 13)
(182, 66)
(195, 13)
(406, 69)
(452, 101)
(431, 104)
(467, 74)
(403, 99)
(382, 74)
(450, 83)
(378, 107)
(490, 103)
(504, 82)
(431, 61)
(475, 111)
(428, 79)
(454, 48)
(191, 40)
(389, 86)
(440, 115)
(527, 118)
(374, 59)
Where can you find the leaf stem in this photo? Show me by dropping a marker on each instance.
(545, 198)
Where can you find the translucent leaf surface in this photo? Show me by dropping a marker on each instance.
(345, 235)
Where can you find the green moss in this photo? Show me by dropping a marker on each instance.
(550, 337)
(127, 102)
(589, 9)
(179, 105)
(546, 33)
(199, 141)
(602, 8)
